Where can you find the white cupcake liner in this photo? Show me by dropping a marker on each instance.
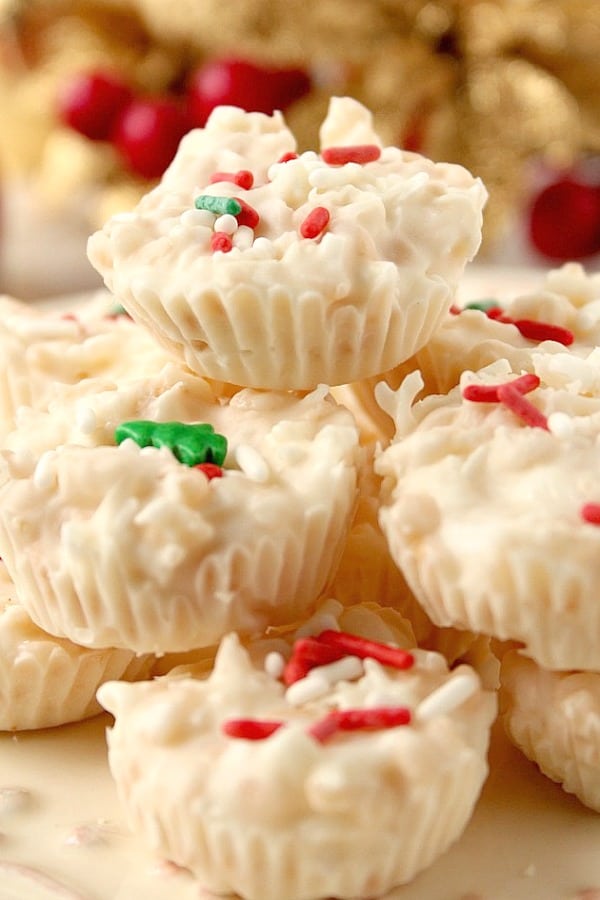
(101, 586)
(278, 341)
(538, 593)
(47, 681)
(554, 719)
(413, 811)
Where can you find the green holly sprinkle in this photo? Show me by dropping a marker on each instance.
(218, 205)
(482, 305)
(190, 444)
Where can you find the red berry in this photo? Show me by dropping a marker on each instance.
(91, 102)
(564, 220)
(147, 135)
(235, 82)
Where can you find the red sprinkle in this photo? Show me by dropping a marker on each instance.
(211, 470)
(307, 654)
(287, 157)
(532, 329)
(248, 215)
(220, 240)
(250, 729)
(526, 411)
(359, 720)
(315, 223)
(354, 645)
(544, 331)
(361, 153)
(243, 178)
(488, 393)
(497, 313)
(590, 512)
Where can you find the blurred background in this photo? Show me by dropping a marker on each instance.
(95, 95)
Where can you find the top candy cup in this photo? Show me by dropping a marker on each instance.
(267, 269)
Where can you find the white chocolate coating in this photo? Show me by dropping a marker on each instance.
(288, 311)
(286, 817)
(118, 546)
(554, 718)
(47, 681)
(483, 513)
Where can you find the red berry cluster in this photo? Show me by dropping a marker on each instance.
(564, 219)
(146, 130)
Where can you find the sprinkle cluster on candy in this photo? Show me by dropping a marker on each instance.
(531, 329)
(324, 653)
(192, 445)
(232, 212)
(510, 394)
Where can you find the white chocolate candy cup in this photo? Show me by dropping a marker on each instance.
(287, 817)
(280, 310)
(47, 681)
(554, 718)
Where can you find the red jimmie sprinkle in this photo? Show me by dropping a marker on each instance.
(544, 331)
(359, 720)
(532, 329)
(248, 215)
(221, 241)
(361, 153)
(497, 313)
(488, 393)
(307, 654)
(287, 157)
(315, 223)
(211, 470)
(250, 729)
(590, 512)
(514, 400)
(354, 645)
(243, 178)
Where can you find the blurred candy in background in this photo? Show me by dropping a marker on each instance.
(95, 95)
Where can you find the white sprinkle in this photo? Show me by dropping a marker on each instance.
(243, 237)
(274, 664)
(194, 217)
(446, 698)
(86, 420)
(129, 444)
(561, 424)
(252, 463)
(44, 475)
(262, 248)
(345, 669)
(226, 223)
(307, 689)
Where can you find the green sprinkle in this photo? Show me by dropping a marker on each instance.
(218, 205)
(118, 310)
(190, 444)
(482, 305)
